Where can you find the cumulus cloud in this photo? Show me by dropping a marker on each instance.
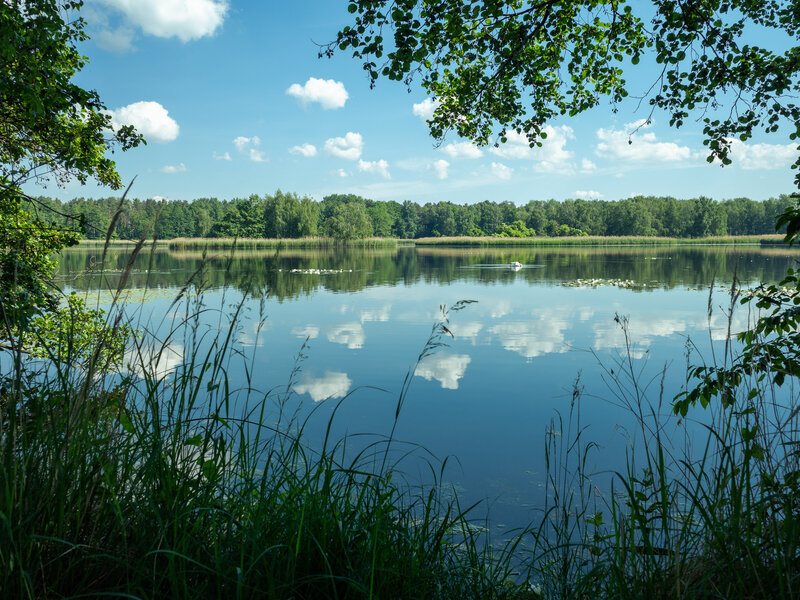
(500, 309)
(249, 147)
(309, 331)
(350, 146)
(551, 157)
(534, 338)
(444, 367)
(587, 166)
(462, 150)
(148, 118)
(762, 156)
(588, 194)
(185, 19)
(225, 156)
(116, 40)
(469, 330)
(379, 167)
(307, 150)
(172, 169)
(342, 173)
(644, 327)
(425, 109)
(330, 385)
(638, 147)
(380, 314)
(348, 334)
(440, 167)
(501, 171)
(327, 93)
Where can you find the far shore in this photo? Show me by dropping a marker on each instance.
(463, 241)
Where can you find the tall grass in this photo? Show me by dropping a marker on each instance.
(267, 243)
(159, 482)
(591, 241)
(702, 516)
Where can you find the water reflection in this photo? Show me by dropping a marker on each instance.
(349, 334)
(353, 270)
(308, 332)
(445, 367)
(330, 385)
(544, 335)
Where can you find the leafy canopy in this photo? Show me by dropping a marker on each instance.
(51, 131)
(500, 65)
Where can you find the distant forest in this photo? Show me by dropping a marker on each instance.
(346, 216)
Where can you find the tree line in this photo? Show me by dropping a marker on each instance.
(347, 216)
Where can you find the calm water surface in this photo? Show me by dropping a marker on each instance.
(487, 397)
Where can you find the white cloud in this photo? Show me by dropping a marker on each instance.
(587, 166)
(534, 338)
(225, 156)
(425, 109)
(444, 367)
(331, 385)
(501, 171)
(342, 173)
(588, 194)
(328, 93)
(118, 40)
(440, 167)
(172, 169)
(380, 315)
(350, 146)
(500, 309)
(309, 331)
(348, 334)
(148, 118)
(762, 156)
(380, 167)
(159, 198)
(469, 330)
(307, 150)
(462, 150)
(185, 19)
(551, 157)
(249, 147)
(640, 146)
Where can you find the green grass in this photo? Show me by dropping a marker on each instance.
(264, 243)
(113, 243)
(590, 241)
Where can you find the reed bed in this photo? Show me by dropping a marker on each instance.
(117, 243)
(589, 241)
(266, 243)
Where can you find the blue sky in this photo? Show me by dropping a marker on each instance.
(234, 101)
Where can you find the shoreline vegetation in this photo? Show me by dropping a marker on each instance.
(351, 217)
(317, 242)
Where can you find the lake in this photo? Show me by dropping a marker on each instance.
(509, 363)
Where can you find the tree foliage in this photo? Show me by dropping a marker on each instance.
(51, 131)
(287, 215)
(501, 65)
